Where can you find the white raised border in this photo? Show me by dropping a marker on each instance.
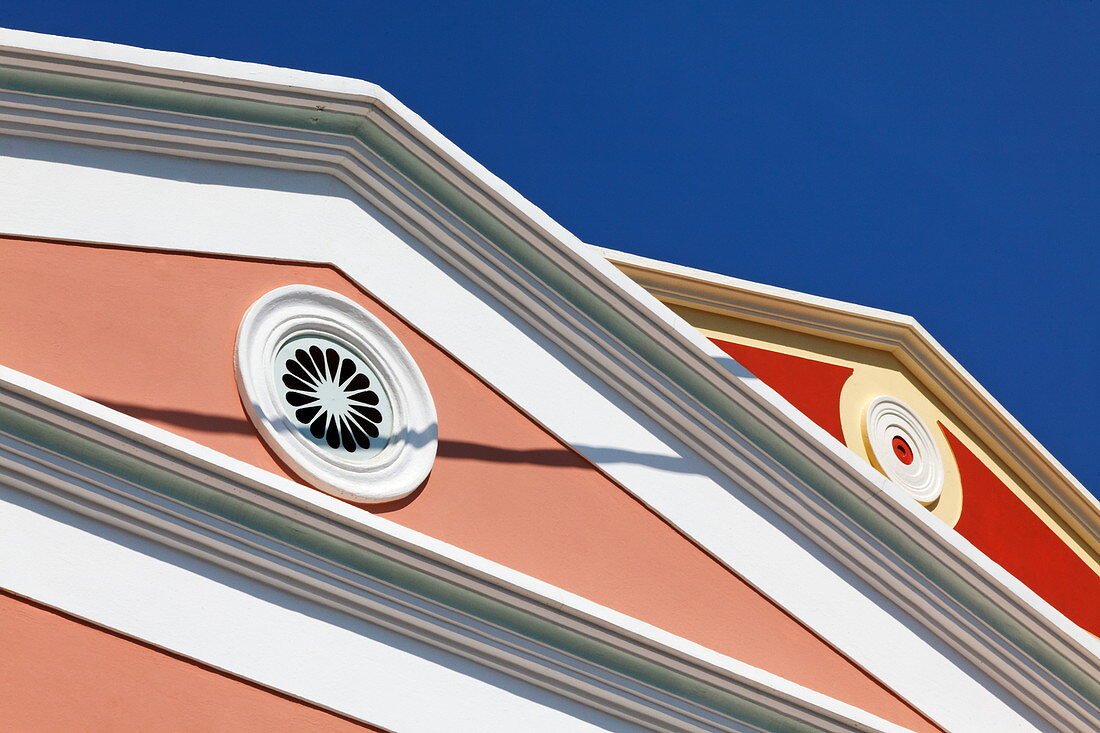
(345, 640)
(929, 644)
(303, 310)
(904, 337)
(886, 418)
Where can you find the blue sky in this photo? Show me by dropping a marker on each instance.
(936, 159)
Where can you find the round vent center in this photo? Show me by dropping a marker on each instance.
(333, 397)
(335, 394)
(904, 449)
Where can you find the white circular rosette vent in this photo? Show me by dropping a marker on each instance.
(904, 449)
(335, 394)
(336, 399)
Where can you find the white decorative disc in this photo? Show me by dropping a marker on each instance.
(335, 394)
(334, 397)
(904, 449)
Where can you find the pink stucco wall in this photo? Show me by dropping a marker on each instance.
(151, 334)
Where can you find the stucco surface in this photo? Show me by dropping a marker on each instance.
(978, 501)
(61, 674)
(151, 334)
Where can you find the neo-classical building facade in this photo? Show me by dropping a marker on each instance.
(310, 423)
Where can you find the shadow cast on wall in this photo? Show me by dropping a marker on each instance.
(562, 457)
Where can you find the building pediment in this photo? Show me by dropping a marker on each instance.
(542, 360)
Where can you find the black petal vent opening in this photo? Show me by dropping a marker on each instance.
(330, 395)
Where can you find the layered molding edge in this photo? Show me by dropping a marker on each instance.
(114, 97)
(897, 334)
(119, 471)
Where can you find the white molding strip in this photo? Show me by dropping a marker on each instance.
(145, 525)
(758, 485)
(882, 330)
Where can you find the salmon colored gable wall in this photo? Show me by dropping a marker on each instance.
(152, 334)
(61, 674)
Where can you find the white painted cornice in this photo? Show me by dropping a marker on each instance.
(108, 467)
(900, 335)
(730, 463)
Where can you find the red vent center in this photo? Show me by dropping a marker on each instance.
(902, 450)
